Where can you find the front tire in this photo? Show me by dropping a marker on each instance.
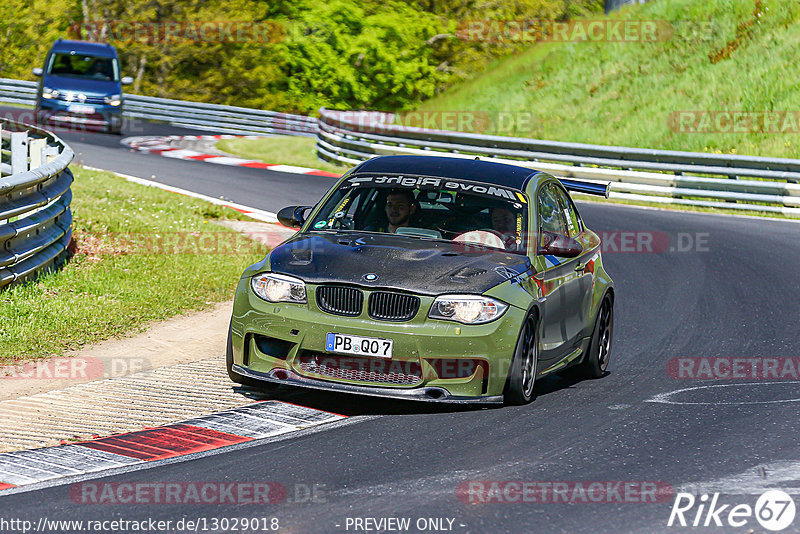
(522, 375)
(596, 362)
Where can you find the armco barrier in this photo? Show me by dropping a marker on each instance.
(35, 195)
(714, 180)
(349, 137)
(195, 115)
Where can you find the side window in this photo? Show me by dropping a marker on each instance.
(551, 214)
(569, 211)
(363, 207)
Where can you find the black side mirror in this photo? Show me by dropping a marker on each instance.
(292, 216)
(558, 245)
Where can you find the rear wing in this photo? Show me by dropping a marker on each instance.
(582, 186)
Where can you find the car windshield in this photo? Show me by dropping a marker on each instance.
(84, 66)
(428, 208)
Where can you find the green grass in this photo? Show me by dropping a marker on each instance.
(624, 93)
(125, 274)
(283, 149)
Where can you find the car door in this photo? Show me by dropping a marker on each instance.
(566, 284)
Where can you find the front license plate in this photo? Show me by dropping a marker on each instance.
(363, 346)
(79, 108)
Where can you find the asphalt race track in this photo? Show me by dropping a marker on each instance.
(714, 287)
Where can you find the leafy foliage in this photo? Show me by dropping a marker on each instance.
(341, 53)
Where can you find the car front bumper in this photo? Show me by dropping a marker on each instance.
(57, 112)
(285, 344)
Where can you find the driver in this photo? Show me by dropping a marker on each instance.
(400, 207)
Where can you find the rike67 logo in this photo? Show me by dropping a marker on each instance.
(774, 510)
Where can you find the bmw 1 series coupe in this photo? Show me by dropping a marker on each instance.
(428, 278)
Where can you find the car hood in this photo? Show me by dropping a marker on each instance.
(86, 86)
(420, 266)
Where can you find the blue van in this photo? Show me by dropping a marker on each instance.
(81, 85)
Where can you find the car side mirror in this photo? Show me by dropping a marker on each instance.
(292, 216)
(37, 71)
(558, 245)
(126, 80)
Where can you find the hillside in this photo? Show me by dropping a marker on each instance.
(682, 92)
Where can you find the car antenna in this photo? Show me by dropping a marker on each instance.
(476, 157)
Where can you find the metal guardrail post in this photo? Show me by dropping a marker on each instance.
(19, 152)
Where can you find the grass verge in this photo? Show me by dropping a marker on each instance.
(718, 56)
(282, 149)
(142, 255)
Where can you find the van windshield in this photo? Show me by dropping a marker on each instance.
(83, 66)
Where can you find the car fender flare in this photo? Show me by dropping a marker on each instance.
(533, 307)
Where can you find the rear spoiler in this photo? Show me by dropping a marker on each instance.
(581, 186)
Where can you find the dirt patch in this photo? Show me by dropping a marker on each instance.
(186, 338)
(269, 234)
(95, 246)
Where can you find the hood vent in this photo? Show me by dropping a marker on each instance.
(465, 273)
(301, 257)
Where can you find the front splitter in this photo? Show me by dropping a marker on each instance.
(422, 394)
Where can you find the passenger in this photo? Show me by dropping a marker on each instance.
(98, 70)
(504, 222)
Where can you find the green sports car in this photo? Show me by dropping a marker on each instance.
(428, 278)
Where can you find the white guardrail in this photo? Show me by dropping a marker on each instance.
(35, 195)
(663, 176)
(349, 137)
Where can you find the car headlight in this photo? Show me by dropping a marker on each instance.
(274, 287)
(467, 309)
(114, 100)
(49, 93)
